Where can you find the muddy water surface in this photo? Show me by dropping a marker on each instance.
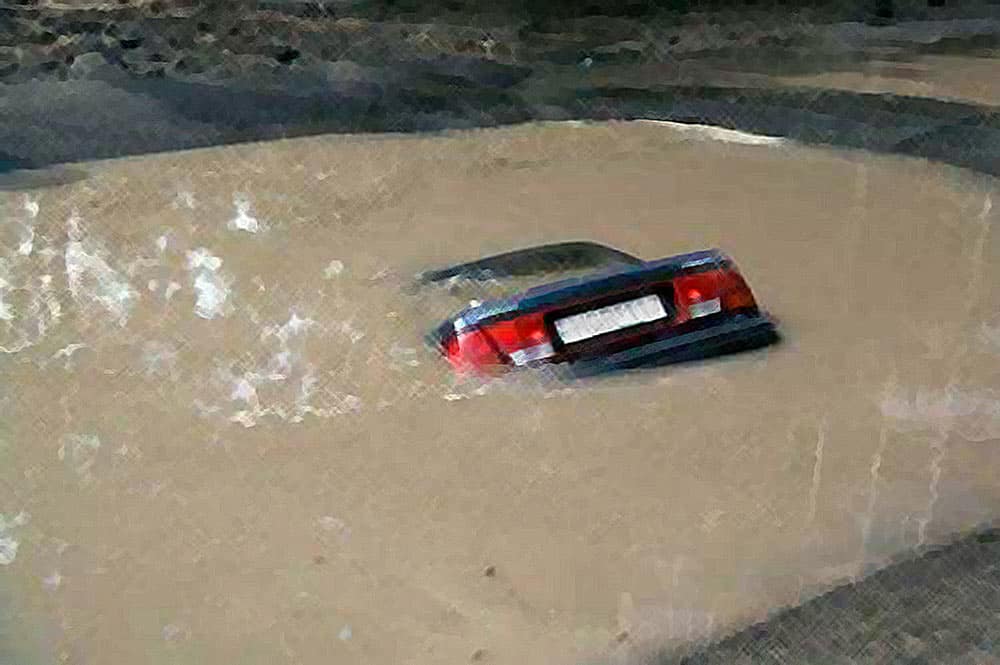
(223, 441)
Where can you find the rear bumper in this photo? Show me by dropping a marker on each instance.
(737, 333)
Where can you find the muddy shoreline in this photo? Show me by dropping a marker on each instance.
(85, 84)
(940, 607)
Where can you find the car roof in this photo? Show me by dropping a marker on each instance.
(534, 260)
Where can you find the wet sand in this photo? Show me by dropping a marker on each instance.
(252, 457)
(952, 77)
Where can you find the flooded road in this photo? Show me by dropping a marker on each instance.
(223, 439)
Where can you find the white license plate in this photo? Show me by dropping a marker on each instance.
(608, 319)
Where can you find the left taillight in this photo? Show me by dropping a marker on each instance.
(517, 341)
(524, 339)
(467, 350)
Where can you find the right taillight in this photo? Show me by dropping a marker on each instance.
(710, 292)
(736, 293)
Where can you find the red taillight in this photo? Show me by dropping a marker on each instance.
(737, 294)
(471, 350)
(513, 334)
(450, 346)
(523, 339)
(699, 287)
(517, 341)
(704, 293)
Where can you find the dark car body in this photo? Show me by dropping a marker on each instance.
(630, 313)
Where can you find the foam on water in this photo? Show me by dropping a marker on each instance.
(66, 353)
(33, 311)
(31, 207)
(352, 333)
(52, 305)
(68, 350)
(8, 550)
(292, 328)
(333, 268)
(6, 313)
(79, 451)
(974, 415)
(717, 133)
(243, 220)
(244, 389)
(8, 544)
(172, 288)
(211, 287)
(173, 632)
(184, 199)
(202, 259)
(29, 305)
(285, 386)
(91, 280)
(159, 359)
(28, 243)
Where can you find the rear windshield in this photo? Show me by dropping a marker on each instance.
(561, 258)
(448, 290)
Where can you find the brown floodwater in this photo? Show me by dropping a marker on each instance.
(223, 440)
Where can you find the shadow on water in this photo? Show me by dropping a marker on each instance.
(691, 356)
(10, 163)
(22, 178)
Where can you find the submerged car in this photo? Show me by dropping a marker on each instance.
(625, 313)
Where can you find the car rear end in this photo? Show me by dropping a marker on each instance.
(674, 309)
